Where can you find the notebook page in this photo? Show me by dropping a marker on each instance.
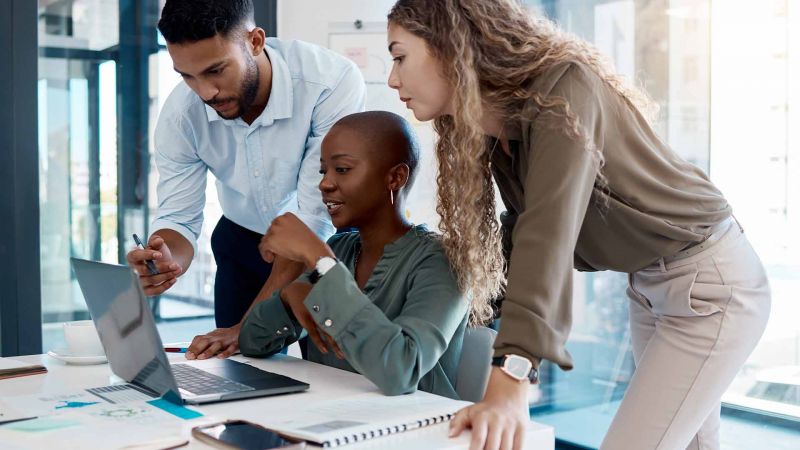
(367, 416)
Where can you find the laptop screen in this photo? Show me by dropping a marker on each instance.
(126, 326)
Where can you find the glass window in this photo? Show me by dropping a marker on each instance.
(78, 24)
(80, 159)
(72, 204)
(728, 104)
(78, 150)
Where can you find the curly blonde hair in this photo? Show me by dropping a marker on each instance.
(491, 52)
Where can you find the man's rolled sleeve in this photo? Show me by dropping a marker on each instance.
(322, 227)
(181, 188)
(186, 232)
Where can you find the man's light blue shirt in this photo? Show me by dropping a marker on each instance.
(264, 169)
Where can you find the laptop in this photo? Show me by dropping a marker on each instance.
(134, 350)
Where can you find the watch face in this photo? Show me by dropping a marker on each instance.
(325, 264)
(518, 366)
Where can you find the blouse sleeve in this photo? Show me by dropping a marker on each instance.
(268, 328)
(394, 354)
(536, 312)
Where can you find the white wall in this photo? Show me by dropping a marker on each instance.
(309, 20)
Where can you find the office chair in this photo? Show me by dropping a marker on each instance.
(474, 365)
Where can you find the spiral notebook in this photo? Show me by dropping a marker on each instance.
(367, 416)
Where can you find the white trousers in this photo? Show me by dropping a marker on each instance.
(695, 318)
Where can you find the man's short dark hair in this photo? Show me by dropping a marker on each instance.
(194, 20)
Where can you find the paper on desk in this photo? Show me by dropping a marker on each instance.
(89, 408)
(46, 404)
(10, 414)
(42, 424)
(131, 409)
(87, 423)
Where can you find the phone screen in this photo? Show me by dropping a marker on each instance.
(246, 436)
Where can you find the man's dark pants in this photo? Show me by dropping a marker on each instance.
(241, 272)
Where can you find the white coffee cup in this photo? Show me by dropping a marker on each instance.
(82, 338)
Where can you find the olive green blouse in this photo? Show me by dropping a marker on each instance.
(560, 215)
(403, 332)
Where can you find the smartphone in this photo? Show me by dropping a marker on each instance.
(241, 434)
(151, 266)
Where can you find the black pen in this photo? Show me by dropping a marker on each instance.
(151, 266)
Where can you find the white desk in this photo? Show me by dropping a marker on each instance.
(326, 384)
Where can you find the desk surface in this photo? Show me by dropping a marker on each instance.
(327, 383)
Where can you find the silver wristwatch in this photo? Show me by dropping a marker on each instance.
(324, 264)
(517, 367)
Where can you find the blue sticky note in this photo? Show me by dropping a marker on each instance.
(175, 410)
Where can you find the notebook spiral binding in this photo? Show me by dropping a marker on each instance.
(358, 437)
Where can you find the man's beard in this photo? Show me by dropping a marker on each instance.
(247, 94)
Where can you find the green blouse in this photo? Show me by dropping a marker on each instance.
(403, 331)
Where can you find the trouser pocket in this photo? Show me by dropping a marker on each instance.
(691, 290)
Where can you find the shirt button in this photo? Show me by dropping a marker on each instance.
(257, 173)
(315, 308)
(328, 322)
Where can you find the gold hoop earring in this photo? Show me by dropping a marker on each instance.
(391, 196)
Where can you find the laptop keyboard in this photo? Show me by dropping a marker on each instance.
(200, 382)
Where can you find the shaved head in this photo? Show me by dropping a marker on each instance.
(390, 138)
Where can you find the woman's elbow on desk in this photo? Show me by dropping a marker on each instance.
(254, 347)
(393, 382)
(393, 389)
(251, 352)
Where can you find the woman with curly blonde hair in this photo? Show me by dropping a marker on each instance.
(586, 184)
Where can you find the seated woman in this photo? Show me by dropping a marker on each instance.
(388, 305)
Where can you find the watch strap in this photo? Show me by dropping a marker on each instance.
(324, 264)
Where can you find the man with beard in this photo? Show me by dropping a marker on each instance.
(253, 111)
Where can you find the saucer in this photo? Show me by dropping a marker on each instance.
(63, 354)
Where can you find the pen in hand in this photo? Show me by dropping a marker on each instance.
(151, 266)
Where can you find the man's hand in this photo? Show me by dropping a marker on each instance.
(169, 270)
(292, 297)
(222, 342)
(290, 238)
(498, 421)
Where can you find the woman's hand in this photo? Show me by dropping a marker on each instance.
(498, 421)
(289, 237)
(292, 297)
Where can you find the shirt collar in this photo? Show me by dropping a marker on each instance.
(279, 105)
